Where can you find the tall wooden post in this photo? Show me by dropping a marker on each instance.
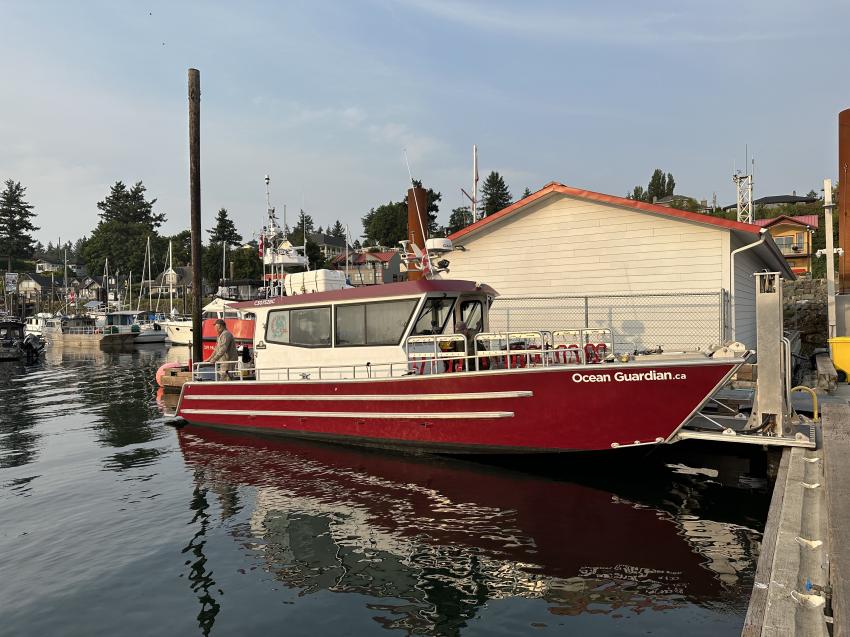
(843, 203)
(417, 224)
(195, 207)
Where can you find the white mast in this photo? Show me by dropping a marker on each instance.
(170, 272)
(130, 292)
(474, 183)
(150, 277)
(106, 281)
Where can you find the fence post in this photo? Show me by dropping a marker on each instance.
(586, 313)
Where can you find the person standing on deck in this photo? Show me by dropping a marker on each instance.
(225, 350)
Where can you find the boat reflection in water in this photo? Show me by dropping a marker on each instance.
(433, 540)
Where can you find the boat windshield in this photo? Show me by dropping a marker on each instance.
(432, 319)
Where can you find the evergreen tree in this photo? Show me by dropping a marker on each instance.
(338, 230)
(320, 231)
(356, 244)
(459, 219)
(129, 206)
(16, 225)
(526, 192)
(127, 219)
(305, 222)
(494, 194)
(224, 230)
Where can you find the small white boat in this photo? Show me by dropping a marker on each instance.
(41, 322)
(179, 329)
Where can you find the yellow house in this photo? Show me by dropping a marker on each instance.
(793, 236)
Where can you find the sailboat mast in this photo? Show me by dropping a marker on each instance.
(170, 280)
(150, 276)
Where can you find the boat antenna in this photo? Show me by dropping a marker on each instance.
(415, 200)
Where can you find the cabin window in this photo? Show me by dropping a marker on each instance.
(380, 323)
(471, 314)
(350, 325)
(310, 326)
(277, 326)
(433, 317)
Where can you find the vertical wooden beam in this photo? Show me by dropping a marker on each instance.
(417, 224)
(843, 203)
(195, 207)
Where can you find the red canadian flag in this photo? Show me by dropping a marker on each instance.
(260, 247)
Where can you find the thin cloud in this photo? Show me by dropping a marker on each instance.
(609, 25)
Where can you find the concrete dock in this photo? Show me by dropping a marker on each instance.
(801, 584)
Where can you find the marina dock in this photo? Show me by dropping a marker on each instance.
(801, 583)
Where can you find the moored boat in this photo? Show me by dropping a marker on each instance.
(413, 365)
(15, 344)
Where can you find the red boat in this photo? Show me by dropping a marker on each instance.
(413, 364)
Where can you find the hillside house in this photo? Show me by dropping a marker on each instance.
(793, 236)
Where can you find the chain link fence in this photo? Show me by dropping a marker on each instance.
(676, 321)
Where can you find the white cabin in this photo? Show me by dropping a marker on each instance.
(359, 331)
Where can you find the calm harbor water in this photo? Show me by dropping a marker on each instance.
(114, 523)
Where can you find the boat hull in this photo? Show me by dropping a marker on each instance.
(553, 409)
(178, 332)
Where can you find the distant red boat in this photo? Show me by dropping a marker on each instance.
(413, 364)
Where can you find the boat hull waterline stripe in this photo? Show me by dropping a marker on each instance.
(370, 397)
(458, 415)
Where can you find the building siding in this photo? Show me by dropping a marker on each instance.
(564, 245)
(746, 264)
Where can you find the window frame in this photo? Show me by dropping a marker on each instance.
(329, 307)
(449, 313)
(416, 302)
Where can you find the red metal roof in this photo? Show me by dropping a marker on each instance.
(363, 257)
(555, 187)
(804, 220)
(403, 288)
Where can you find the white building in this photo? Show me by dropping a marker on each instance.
(574, 258)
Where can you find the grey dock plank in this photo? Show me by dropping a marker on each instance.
(827, 377)
(755, 619)
(836, 465)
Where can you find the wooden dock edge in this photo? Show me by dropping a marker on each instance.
(755, 620)
(836, 451)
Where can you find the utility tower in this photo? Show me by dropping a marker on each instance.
(744, 193)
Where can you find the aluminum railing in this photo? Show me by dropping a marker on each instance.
(443, 354)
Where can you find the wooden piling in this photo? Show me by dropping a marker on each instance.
(195, 208)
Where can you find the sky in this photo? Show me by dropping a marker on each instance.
(326, 97)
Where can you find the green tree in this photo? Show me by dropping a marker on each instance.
(660, 185)
(338, 230)
(127, 219)
(16, 225)
(224, 230)
(129, 206)
(459, 219)
(526, 192)
(494, 194)
(387, 224)
(246, 263)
